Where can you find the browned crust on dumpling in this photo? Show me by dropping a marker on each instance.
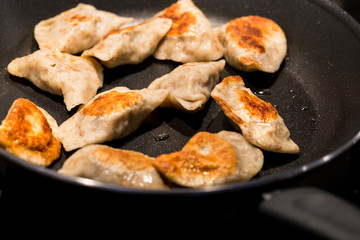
(205, 159)
(130, 160)
(233, 79)
(75, 19)
(249, 62)
(26, 133)
(66, 61)
(227, 110)
(224, 105)
(182, 22)
(256, 107)
(112, 101)
(250, 31)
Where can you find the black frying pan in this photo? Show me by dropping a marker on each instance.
(316, 91)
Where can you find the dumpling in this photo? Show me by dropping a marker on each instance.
(190, 84)
(109, 115)
(250, 158)
(130, 45)
(191, 37)
(116, 166)
(210, 159)
(75, 78)
(28, 132)
(77, 29)
(258, 120)
(253, 43)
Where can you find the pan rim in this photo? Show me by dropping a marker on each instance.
(346, 19)
(340, 14)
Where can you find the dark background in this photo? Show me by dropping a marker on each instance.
(350, 6)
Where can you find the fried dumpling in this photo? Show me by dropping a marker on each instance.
(210, 159)
(190, 84)
(253, 43)
(258, 120)
(122, 167)
(75, 78)
(109, 115)
(191, 37)
(28, 132)
(130, 45)
(77, 29)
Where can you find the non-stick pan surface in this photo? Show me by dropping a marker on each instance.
(316, 90)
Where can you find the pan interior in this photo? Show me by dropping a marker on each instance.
(315, 90)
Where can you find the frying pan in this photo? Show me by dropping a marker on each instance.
(316, 91)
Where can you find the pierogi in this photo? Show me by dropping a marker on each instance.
(77, 29)
(130, 45)
(75, 78)
(110, 115)
(191, 37)
(190, 84)
(122, 167)
(258, 120)
(28, 132)
(210, 159)
(253, 43)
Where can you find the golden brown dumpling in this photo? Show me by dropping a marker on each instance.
(116, 166)
(253, 43)
(109, 115)
(191, 37)
(27, 132)
(77, 29)
(130, 45)
(210, 159)
(75, 78)
(258, 120)
(190, 84)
